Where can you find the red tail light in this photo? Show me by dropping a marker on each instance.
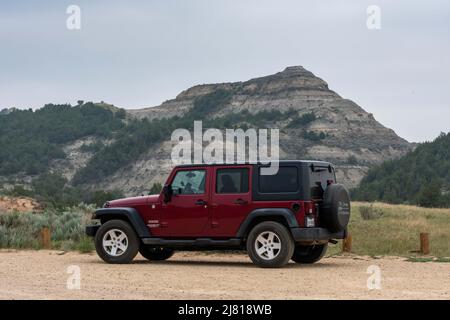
(310, 207)
(310, 214)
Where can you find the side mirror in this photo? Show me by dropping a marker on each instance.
(167, 192)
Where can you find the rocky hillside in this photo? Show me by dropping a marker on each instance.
(342, 131)
(98, 146)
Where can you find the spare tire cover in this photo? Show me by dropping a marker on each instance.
(335, 210)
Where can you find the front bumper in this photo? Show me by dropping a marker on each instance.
(92, 230)
(315, 234)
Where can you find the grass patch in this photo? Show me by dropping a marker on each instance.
(429, 259)
(84, 245)
(419, 259)
(397, 231)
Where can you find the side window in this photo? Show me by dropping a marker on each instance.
(189, 182)
(286, 180)
(232, 180)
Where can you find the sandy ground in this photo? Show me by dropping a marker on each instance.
(189, 275)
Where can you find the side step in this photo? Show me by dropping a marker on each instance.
(199, 242)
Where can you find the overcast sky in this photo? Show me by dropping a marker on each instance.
(139, 53)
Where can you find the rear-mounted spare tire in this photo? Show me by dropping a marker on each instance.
(335, 209)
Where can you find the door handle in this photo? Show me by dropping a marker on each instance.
(200, 202)
(240, 201)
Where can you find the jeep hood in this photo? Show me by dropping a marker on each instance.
(133, 201)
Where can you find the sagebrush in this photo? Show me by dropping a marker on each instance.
(21, 230)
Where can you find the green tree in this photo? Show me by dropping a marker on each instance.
(419, 177)
(156, 188)
(31, 140)
(99, 197)
(430, 195)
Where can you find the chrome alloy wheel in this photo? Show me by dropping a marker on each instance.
(267, 245)
(115, 242)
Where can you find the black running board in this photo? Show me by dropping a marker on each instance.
(195, 243)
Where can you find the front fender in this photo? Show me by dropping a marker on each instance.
(129, 214)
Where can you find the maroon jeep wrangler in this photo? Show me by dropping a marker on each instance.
(290, 215)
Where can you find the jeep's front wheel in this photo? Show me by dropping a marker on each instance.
(155, 253)
(309, 254)
(270, 245)
(116, 242)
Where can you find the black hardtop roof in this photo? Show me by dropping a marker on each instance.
(307, 162)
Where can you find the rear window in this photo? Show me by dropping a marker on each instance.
(319, 180)
(285, 181)
(232, 180)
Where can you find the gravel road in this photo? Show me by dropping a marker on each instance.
(43, 275)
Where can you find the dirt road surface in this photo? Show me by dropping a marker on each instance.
(43, 275)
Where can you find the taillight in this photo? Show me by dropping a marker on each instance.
(310, 221)
(309, 207)
(310, 214)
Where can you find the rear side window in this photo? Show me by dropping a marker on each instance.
(285, 181)
(232, 180)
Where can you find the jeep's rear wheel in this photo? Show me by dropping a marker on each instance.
(155, 253)
(270, 245)
(309, 254)
(116, 242)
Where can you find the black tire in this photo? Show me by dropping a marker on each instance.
(309, 254)
(155, 253)
(335, 209)
(281, 255)
(132, 242)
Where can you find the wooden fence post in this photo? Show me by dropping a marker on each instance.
(45, 238)
(347, 243)
(424, 243)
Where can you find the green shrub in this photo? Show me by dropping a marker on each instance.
(92, 147)
(370, 212)
(84, 245)
(99, 197)
(52, 189)
(21, 230)
(19, 191)
(156, 188)
(313, 136)
(352, 160)
(302, 120)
